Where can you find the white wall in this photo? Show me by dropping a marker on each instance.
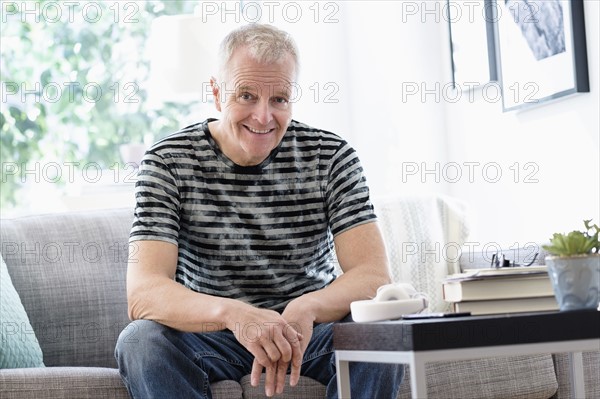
(362, 57)
(556, 145)
(388, 50)
(323, 91)
(548, 157)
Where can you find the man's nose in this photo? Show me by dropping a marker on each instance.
(263, 113)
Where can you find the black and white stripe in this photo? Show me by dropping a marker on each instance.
(262, 234)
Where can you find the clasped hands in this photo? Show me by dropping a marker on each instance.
(278, 342)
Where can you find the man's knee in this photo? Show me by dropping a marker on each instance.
(134, 338)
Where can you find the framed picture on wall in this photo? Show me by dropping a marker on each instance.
(472, 43)
(541, 50)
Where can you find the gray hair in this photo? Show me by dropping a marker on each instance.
(266, 43)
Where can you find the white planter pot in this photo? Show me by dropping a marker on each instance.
(576, 280)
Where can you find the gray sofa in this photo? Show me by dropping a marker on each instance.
(69, 270)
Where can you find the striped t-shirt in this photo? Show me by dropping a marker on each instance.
(262, 234)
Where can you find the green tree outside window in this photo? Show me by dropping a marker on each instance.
(74, 84)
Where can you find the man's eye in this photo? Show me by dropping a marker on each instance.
(281, 100)
(246, 96)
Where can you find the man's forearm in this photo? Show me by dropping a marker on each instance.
(362, 256)
(153, 294)
(167, 302)
(333, 302)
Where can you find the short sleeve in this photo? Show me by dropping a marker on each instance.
(156, 215)
(348, 201)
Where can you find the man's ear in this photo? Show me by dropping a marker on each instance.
(216, 92)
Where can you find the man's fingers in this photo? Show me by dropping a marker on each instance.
(257, 370)
(263, 361)
(280, 354)
(270, 379)
(296, 365)
(282, 368)
(284, 347)
(292, 333)
(294, 338)
(273, 351)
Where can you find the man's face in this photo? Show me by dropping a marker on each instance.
(254, 99)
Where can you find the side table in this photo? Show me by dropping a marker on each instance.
(417, 342)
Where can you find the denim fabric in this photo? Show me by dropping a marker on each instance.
(159, 362)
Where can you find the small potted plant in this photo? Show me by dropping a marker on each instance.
(574, 267)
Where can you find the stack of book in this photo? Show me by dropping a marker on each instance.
(500, 290)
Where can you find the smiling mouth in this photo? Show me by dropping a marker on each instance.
(258, 131)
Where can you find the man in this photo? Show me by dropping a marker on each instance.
(235, 223)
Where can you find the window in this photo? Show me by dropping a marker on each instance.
(74, 90)
(77, 85)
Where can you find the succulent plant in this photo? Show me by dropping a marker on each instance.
(575, 242)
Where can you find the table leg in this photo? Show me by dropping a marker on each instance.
(418, 380)
(577, 378)
(343, 378)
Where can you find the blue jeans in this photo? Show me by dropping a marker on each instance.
(159, 362)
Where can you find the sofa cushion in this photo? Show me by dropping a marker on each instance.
(69, 270)
(591, 372)
(81, 383)
(20, 347)
(62, 382)
(527, 377)
(307, 388)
